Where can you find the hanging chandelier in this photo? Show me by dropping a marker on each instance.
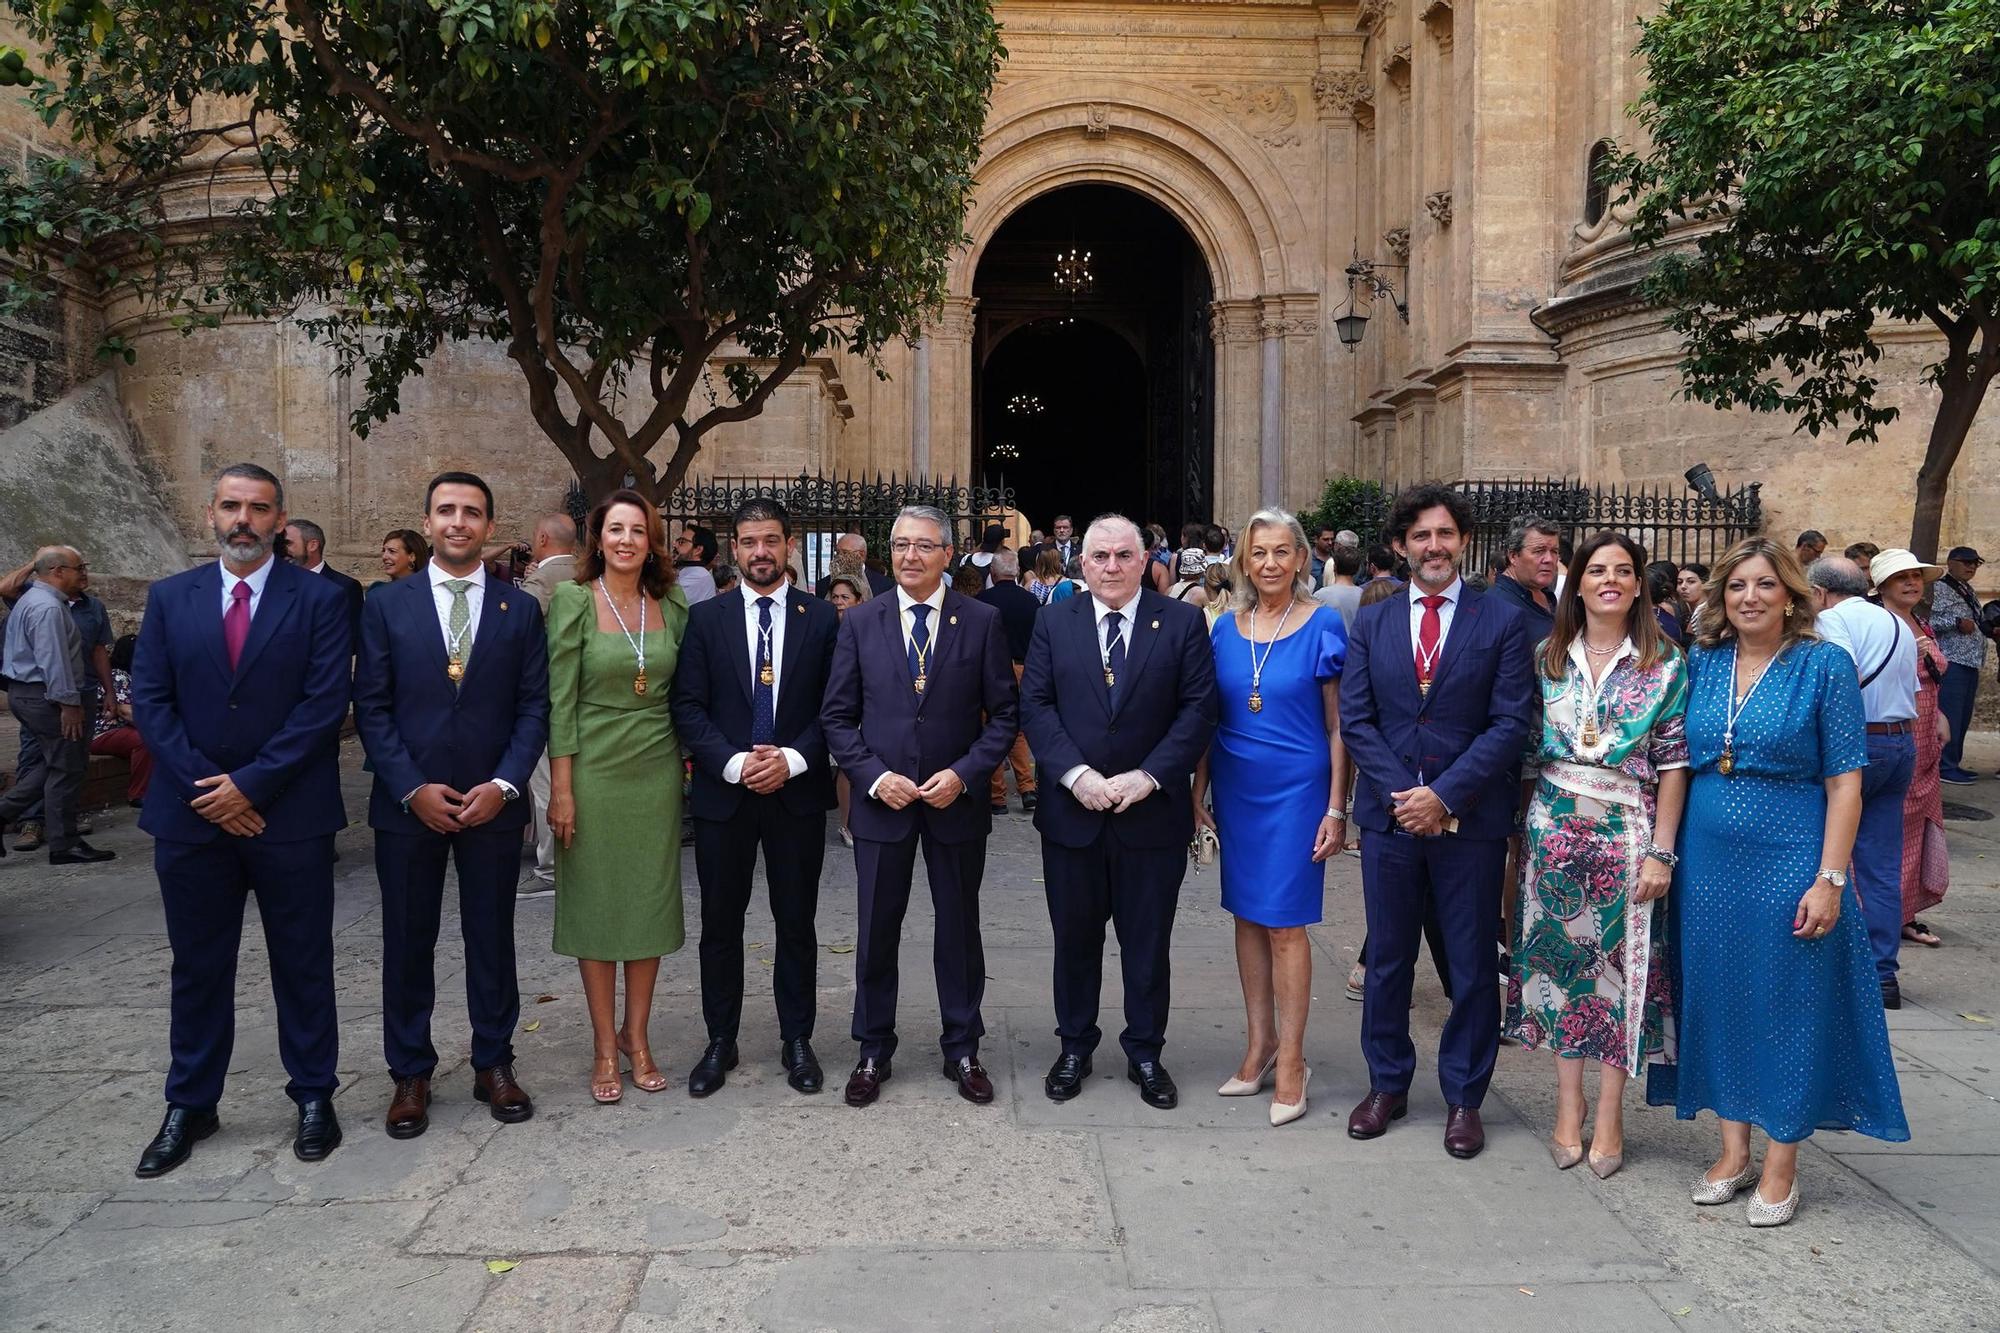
(1073, 272)
(1006, 452)
(1026, 405)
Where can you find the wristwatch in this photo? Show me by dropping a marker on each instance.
(1837, 878)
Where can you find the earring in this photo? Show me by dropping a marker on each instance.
(1791, 608)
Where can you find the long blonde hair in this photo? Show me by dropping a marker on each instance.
(1243, 589)
(1712, 627)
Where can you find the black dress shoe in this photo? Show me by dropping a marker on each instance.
(1892, 994)
(864, 1085)
(999, 807)
(1028, 801)
(319, 1130)
(802, 1069)
(80, 853)
(1066, 1077)
(712, 1070)
(970, 1075)
(1156, 1085)
(179, 1132)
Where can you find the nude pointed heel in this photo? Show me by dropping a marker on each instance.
(1281, 1114)
(1236, 1087)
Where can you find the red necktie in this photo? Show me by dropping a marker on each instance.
(236, 622)
(1429, 636)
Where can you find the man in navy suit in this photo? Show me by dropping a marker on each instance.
(920, 708)
(240, 684)
(746, 697)
(451, 698)
(1436, 705)
(1118, 700)
(305, 541)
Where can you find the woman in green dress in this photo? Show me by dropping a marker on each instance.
(615, 777)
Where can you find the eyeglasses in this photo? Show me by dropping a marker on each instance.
(904, 545)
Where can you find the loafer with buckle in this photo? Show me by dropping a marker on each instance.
(1370, 1120)
(179, 1132)
(1156, 1085)
(970, 1075)
(1066, 1077)
(508, 1100)
(409, 1108)
(864, 1085)
(319, 1130)
(1464, 1136)
(801, 1066)
(712, 1070)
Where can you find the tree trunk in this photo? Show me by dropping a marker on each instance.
(1957, 406)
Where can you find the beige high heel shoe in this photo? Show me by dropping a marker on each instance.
(1236, 1087)
(1282, 1114)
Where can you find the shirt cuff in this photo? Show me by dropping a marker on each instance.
(794, 761)
(507, 789)
(733, 770)
(1068, 779)
(1149, 777)
(873, 786)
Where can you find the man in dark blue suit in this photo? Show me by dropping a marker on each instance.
(305, 543)
(240, 684)
(746, 698)
(920, 707)
(1118, 700)
(451, 698)
(1436, 705)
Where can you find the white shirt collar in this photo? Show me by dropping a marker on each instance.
(1581, 660)
(440, 576)
(319, 568)
(904, 601)
(1100, 608)
(750, 594)
(256, 578)
(1451, 594)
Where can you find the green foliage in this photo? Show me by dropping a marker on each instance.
(1838, 163)
(619, 190)
(1347, 502)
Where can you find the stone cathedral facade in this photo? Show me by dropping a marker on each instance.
(1212, 168)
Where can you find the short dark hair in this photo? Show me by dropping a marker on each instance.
(1318, 528)
(1811, 537)
(1346, 560)
(761, 509)
(1191, 533)
(1517, 532)
(704, 543)
(1213, 539)
(250, 472)
(412, 541)
(1382, 558)
(459, 479)
(1414, 500)
(311, 531)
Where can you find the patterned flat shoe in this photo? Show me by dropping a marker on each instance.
(1706, 1191)
(1761, 1214)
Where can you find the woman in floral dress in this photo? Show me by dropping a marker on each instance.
(1903, 582)
(1606, 780)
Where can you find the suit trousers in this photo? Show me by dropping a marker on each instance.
(725, 860)
(1878, 846)
(203, 886)
(1957, 693)
(545, 840)
(49, 778)
(884, 871)
(1462, 876)
(1137, 889)
(1018, 759)
(411, 869)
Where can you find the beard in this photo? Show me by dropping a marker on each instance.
(241, 544)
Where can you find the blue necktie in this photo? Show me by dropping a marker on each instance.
(763, 698)
(1114, 655)
(920, 641)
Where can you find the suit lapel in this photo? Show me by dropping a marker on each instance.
(485, 631)
(1463, 621)
(281, 591)
(1142, 625)
(1401, 647)
(1083, 616)
(421, 618)
(736, 646)
(792, 607)
(205, 613)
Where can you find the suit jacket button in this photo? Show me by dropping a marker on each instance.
(232, 703)
(1114, 728)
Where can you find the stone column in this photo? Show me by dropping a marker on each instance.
(1238, 418)
(1271, 416)
(920, 406)
(948, 352)
(1294, 461)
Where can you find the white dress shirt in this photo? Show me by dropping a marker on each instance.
(475, 599)
(1100, 610)
(796, 762)
(1446, 613)
(256, 578)
(1876, 638)
(934, 623)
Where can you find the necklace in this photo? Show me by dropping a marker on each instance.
(1589, 728)
(1256, 662)
(1595, 651)
(637, 641)
(1726, 765)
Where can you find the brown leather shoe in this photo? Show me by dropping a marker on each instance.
(1370, 1120)
(409, 1109)
(970, 1075)
(864, 1085)
(1464, 1136)
(509, 1100)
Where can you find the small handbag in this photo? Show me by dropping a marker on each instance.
(1205, 848)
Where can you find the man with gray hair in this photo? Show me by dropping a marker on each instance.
(1885, 659)
(1534, 547)
(41, 658)
(305, 546)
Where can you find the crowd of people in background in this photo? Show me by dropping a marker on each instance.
(1693, 810)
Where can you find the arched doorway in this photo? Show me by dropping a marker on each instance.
(1098, 397)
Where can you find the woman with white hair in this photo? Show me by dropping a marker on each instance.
(1276, 763)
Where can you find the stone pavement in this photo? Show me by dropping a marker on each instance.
(761, 1209)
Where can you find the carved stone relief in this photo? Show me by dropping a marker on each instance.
(1097, 119)
(1398, 241)
(1339, 91)
(1438, 205)
(1268, 111)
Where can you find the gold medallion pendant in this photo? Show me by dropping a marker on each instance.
(766, 676)
(1424, 688)
(639, 682)
(1256, 702)
(1589, 736)
(920, 682)
(455, 669)
(1110, 676)
(1726, 765)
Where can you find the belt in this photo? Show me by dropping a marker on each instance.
(1891, 728)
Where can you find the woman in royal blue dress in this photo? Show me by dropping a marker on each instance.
(1777, 1007)
(1276, 764)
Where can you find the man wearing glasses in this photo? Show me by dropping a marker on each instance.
(919, 710)
(42, 660)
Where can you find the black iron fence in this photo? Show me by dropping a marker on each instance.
(1671, 524)
(822, 508)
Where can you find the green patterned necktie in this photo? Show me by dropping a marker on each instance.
(460, 618)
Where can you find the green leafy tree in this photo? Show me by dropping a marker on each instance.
(623, 192)
(1837, 160)
(1347, 503)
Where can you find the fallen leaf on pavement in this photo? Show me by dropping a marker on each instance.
(532, 1026)
(545, 999)
(1975, 1018)
(840, 948)
(1524, 1291)
(1684, 1312)
(498, 1266)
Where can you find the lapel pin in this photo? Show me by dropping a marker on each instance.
(800, 608)
(1156, 624)
(954, 620)
(503, 606)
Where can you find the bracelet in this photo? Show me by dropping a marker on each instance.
(1666, 858)
(1337, 813)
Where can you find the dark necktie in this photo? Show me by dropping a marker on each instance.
(763, 689)
(236, 623)
(1114, 652)
(920, 642)
(1430, 633)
